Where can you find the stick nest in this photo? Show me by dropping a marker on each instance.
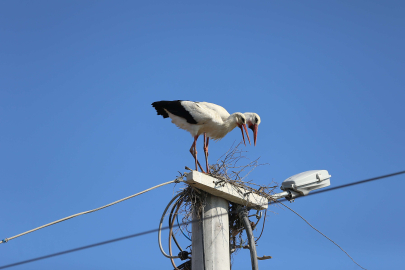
(231, 169)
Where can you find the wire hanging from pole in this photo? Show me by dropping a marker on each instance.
(323, 235)
(176, 204)
(243, 214)
(160, 226)
(171, 221)
(178, 224)
(264, 222)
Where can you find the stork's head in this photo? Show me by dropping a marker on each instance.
(241, 122)
(253, 121)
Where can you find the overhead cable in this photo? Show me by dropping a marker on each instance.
(357, 183)
(82, 248)
(90, 211)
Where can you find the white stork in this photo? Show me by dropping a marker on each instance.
(198, 118)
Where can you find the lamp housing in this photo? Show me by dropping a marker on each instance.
(305, 182)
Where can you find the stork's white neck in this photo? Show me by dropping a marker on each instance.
(218, 130)
(231, 122)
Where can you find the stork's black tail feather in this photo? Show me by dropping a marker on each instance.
(174, 107)
(160, 107)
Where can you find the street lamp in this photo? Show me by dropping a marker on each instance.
(301, 184)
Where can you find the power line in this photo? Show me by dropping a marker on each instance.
(90, 211)
(81, 248)
(358, 182)
(167, 227)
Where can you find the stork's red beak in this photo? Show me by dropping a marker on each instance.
(256, 127)
(247, 133)
(243, 136)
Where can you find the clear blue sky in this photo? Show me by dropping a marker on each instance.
(77, 129)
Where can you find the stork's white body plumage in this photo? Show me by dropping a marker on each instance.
(224, 114)
(198, 118)
(208, 120)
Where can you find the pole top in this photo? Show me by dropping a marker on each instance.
(226, 190)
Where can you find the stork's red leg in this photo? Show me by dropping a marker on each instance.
(208, 140)
(206, 151)
(193, 151)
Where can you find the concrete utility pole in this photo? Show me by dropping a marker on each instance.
(210, 238)
(210, 232)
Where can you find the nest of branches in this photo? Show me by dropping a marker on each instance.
(234, 168)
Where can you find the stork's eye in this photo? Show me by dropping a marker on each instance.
(256, 120)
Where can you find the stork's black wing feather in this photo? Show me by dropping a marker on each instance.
(174, 107)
